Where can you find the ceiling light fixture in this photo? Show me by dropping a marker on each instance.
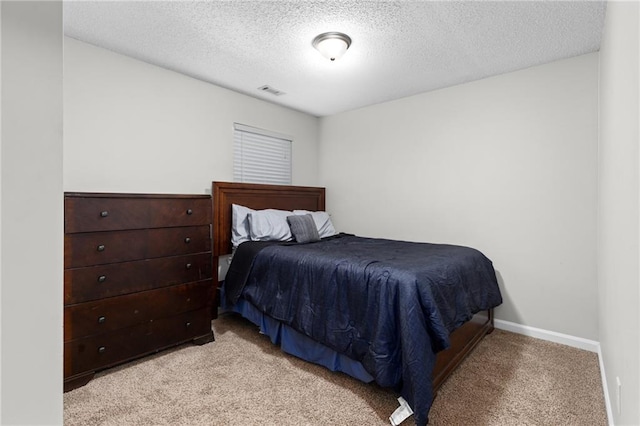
(332, 45)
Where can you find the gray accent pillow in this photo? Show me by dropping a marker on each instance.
(303, 228)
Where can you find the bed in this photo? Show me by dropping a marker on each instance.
(395, 329)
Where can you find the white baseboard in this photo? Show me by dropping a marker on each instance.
(551, 336)
(605, 388)
(564, 339)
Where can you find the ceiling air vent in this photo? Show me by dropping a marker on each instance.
(271, 90)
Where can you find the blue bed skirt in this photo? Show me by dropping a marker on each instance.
(296, 343)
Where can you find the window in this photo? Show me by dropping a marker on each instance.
(260, 156)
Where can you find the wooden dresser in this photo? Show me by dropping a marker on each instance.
(137, 278)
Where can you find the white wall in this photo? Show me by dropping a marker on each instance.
(134, 127)
(506, 165)
(31, 203)
(0, 212)
(619, 213)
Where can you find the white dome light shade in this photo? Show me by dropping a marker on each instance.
(332, 45)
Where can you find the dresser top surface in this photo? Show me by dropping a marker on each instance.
(130, 195)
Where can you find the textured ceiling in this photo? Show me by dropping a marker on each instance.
(400, 48)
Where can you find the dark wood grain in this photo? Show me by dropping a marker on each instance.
(93, 213)
(86, 355)
(77, 380)
(463, 340)
(98, 282)
(138, 277)
(257, 197)
(191, 239)
(101, 316)
(180, 212)
(121, 246)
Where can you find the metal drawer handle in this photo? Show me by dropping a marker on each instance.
(102, 350)
(104, 214)
(189, 211)
(188, 266)
(188, 325)
(101, 320)
(102, 278)
(101, 247)
(187, 240)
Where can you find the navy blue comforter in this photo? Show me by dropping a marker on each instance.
(388, 304)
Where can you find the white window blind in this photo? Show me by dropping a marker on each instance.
(260, 156)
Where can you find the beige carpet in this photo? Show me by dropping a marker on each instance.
(242, 379)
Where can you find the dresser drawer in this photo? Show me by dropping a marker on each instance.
(99, 248)
(86, 319)
(105, 350)
(91, 214)
(97, 282)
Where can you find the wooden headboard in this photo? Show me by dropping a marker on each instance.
(257, 197)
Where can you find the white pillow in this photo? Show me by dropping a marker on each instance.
(269, 225)
(239, 224)
(323, 222)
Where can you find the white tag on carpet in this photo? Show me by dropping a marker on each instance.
(401, 413)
